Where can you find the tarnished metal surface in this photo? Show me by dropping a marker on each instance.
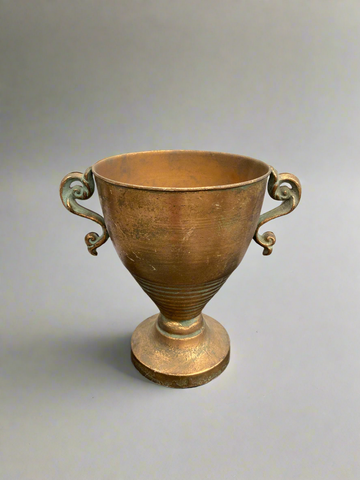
(181, 222)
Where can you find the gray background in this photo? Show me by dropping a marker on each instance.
(277, 80)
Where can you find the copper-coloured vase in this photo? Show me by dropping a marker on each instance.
(181, 222)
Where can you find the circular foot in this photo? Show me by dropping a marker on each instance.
(180, 362)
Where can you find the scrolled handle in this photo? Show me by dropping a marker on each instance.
(290, 198)
(69, 196)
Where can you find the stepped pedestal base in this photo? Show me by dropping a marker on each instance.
(180, 361)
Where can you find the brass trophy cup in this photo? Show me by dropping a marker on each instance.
(181, 222)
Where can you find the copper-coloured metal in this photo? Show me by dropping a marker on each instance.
(181, 222)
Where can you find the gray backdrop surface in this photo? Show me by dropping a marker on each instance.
(275, 80)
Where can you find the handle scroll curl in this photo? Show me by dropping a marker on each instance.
(69, 196)
(290, 198)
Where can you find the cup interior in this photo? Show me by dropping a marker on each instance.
(180, 169)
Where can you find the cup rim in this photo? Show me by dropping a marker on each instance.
(183, 189)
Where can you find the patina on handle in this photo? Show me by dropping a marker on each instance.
(290, 198)
(69, 196)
